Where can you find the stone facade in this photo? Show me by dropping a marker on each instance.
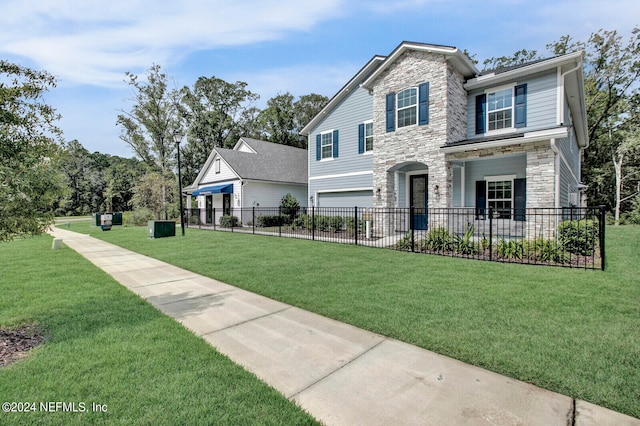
(418, 144)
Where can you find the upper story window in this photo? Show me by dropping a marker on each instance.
(327, 145)
(217, 165)
(368, 137)
(500, 109)
(407, 107)
(326, 141)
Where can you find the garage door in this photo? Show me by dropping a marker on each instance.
(346, 199)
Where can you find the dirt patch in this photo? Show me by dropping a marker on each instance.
(15, 342)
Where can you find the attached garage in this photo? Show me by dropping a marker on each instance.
(345, 199)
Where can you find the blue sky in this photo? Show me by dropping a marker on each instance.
(275, 46)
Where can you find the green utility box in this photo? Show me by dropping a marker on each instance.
(161, 228)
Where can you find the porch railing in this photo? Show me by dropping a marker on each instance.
(568, 237)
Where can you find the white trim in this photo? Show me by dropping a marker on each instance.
(341, 175)
(368, 151)
(502, 87)
(496, 89)
(497, 178)
(414, 106)
(528, 137)
(463, 172)
(330, 191)
(326, 132)
(560, 97)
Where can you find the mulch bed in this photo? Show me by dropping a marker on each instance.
(15, 342)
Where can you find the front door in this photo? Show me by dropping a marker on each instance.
(209, 209)
(419, 200)
(226, 204)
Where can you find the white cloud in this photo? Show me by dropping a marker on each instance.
(94, 42)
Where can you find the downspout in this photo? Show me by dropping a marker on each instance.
(562, 77)
(554, 148)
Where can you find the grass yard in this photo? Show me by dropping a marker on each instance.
(575, 332)
(105, 345)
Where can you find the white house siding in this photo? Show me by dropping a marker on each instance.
(263, 195)
(347, 199)
(541, 103)
(213, 178)
(346, 170)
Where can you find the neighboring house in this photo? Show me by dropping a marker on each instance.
(254, 173)
(424, 128)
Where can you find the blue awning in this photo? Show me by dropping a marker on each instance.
(218, 189)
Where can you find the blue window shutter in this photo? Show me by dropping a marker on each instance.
(481, 105)
(423, 104)
(360, 138)
(335, 144)
(521, 106)
(318, 148)
(519, 199)
(391, 112)
(481, 199)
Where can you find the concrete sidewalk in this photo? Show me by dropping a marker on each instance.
(340, 374)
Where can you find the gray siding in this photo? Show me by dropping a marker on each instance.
(477, 170)
(541, 103)
(345, 117)
(571, 152)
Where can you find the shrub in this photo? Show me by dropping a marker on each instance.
(439, 239)
(267, 221)
(464, 244)
(405, 242)
(329, 223)
(542, 250)
(289, 207)
(579, 236)
(512, 249)
(138, 217)
(350, 224)
(302, 222)
(228, 221)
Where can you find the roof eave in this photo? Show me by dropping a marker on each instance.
(454, 55)
(342, 93)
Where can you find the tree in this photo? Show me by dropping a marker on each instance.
(283, 118)
(612, 71)
(147, 194)
(520, 57)
(29, 142)
(277, 121)
(149, 127)
(213, 111)
(120, 178)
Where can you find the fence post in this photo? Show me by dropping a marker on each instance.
(601, 223)
(253, 219)
(313, 223)
(355, 223)
(411, 227)
(214, 219)
(490, 233)
(280, 221)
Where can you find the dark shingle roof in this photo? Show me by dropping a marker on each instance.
(272, 162)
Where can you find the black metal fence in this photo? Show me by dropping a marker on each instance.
(568, 237)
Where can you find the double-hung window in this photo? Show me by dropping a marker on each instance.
(368, 137)
(500, 109)
(500, 195)
(407, 107)
(326, 145)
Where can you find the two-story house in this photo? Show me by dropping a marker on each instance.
(424, 128)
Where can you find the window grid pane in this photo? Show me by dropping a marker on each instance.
(499, 197)
(368, 137)
(327, 145)
(499, 109)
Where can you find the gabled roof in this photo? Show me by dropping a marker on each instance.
(453, 55)
(270, 162)
(342, 93)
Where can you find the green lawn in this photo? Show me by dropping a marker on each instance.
(572, 331)
(107, 346)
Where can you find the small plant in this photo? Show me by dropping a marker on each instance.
(405, 242)
(439, 239)
(512, 249)
(542, 250)
(302, 222)
(578, 236)
(267, 221)
(228, 221)
(464, 244)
